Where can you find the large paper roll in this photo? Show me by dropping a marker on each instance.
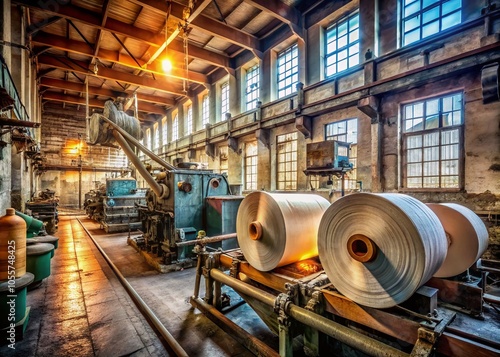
(275, 229)
(378, 249)
(467, 237)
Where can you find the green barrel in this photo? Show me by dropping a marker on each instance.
(38, 260)
(13, 302)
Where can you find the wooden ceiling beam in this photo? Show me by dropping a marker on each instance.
(111, 25)
(78, 47)
(160, 84)
(77, 87)
(287, 14)
(73, 99)
(206, 24)
(155, 99)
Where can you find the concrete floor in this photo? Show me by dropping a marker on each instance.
(81, 309)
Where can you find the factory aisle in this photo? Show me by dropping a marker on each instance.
(81, 309)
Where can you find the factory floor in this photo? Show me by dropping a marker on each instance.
(81, 309)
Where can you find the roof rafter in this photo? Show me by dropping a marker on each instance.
(287, 14)
(78, 47)
(66, 64)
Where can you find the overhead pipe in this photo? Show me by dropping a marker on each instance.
(160, 190)
(133, 141)
(339, 332)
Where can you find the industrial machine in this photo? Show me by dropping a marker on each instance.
(175, 207)
(44, 208)
(397, 309)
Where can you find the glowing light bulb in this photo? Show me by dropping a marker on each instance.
(166, 65)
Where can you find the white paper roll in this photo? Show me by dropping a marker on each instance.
(275, 229)
(378, 249)
(467, 237)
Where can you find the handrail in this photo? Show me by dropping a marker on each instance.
(7, 83)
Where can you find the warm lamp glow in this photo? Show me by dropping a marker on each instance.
(166, 65)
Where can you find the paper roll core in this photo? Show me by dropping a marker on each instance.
(361, 248)
(255, 230)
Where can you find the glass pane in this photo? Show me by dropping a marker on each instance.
(411, 24)
(430, 29)
(430, 15)
(431, 168)
(354, 49)
(418, 109)
(432, 122)
(430, 182)
(450, 20)
(432, 106)
(342, 29)
(429, 2)
(342, 65)
(354, 22)
(457, 102)
(412, 36)
(449, 137)
(431, 154)
(412, 8)
(414, 170)
(449, 182)
(457, 118)
(409, 111)
(449, 167)
(450, 6)
(449, 152)
(414, 141)
(354, 36)
(353, 60)
(331, 47)
(447, 104)
(431, 139)
(414, 182)
(415, 155)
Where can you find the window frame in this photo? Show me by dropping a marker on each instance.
(290, 88)
(252, 93)
(175, 127)
(293, 164)
(205, 110)
(335, 26)
(250, 166)
(189, 119)
(440, 129)
(224, 100)
(422, 23)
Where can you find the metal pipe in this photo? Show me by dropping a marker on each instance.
(155, 186)
(243, 288)
(207, 240)
(176, 347)
(341, 333)
(138, 145)
(252, 343)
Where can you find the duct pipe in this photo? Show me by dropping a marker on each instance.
(341, 333)
(155, 186)
(141, 147)
(252, 343)
(207, 240)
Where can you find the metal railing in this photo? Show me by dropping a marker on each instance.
(7, 83)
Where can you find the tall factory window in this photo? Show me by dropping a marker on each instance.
(189, 120)
(288, 70)
(156, 141)
(342, 45)
(432, 138)
(345, 131)
(175, 127)
(286, 161)
(205, 110)
(224, 100)
(424, 18)
(164, 131)
(253, 75)
(251, 166)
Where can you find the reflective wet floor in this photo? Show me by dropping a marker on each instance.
(81, 309)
